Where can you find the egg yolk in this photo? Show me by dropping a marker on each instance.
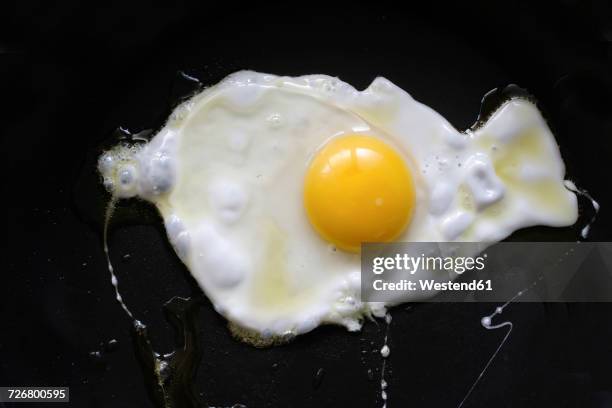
(358, 189)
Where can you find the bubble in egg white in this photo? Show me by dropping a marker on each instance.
(455, 223)
(486, 188)
(228, 199)
(275, 121)
(442, 196)
(238, 141)
(225, 264)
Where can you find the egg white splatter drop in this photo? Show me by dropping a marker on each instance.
(267, 185)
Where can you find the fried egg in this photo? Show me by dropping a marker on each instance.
(268, 185)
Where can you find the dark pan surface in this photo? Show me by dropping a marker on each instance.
(71, 76)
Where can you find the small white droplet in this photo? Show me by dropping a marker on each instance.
(238, 141)
(275, 120)
(388, 318)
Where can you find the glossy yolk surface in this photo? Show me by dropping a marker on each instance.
(358, 189)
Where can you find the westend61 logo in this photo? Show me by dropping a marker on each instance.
(401, 269)
(412, 264)
(420, 269)
(486, 272)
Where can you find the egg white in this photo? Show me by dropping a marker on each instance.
(226, 174)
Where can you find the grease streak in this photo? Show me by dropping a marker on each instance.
(169, 377)
(584, 233)
(487, 323)
(384, 352)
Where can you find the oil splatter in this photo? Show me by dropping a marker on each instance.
(318, 378)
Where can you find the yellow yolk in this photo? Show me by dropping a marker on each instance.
(358, 189)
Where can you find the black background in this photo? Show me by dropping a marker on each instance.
(71, 75)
